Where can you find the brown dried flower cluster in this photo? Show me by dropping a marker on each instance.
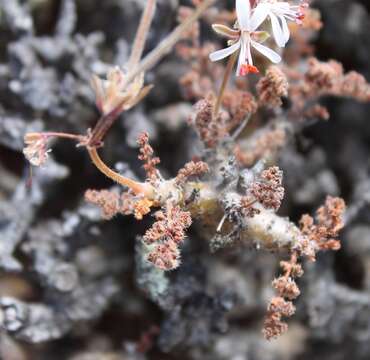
(329, 221)
(191, 169)
(112, 203)
(322, 79)
(267, 190)
(108, 201)
(166, 234)
(261, 145)
(208, 127)
(318, 236)
(281, 305)
(146, 155)
(272, 87)
(323, 76)
(239, 104)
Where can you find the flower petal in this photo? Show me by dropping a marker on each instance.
(264, 50)
(221, 54)
(243, 12)
(286, 30)
(242, 56)
(225, 31)
(277, 30)
(259, 15)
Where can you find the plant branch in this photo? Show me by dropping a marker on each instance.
(167, 43)
(106, 121)
(142, 33)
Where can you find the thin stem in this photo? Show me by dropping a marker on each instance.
(142, 33)
(101, 128)
(228, 70)
(63, 135)
(241, 127)
(136, 187)
(167, 43)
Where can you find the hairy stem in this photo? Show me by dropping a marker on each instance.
(142, 33)
(64, 135)
(228, 70)
(101, 128)
(138, 188)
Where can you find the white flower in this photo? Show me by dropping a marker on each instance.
(245, 39)
(36, 151)
(279, 12)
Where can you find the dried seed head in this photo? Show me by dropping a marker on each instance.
(286, 287)
(108, 201)
(146, 155)
(191, 169)
(209, 128)
(272, 87)
(329, 221)
(109, 93)
(165, 256)
(268, 191)
(166, 234)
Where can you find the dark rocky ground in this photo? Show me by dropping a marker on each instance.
(70, 287)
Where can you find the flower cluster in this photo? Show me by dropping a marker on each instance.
(281, 305)
(267, 190)
(329, 221)
(317, 236)
(191, 169)
(246, 35)
(272, 88)
(112, 203)
(165, 236)
(146, 155)
(323, 79)
(208, 127)
(263, 144)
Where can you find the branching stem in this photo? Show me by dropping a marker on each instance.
(142, 33)
(105, 122)
(167, 43)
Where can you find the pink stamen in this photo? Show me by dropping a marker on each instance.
(301, 13)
